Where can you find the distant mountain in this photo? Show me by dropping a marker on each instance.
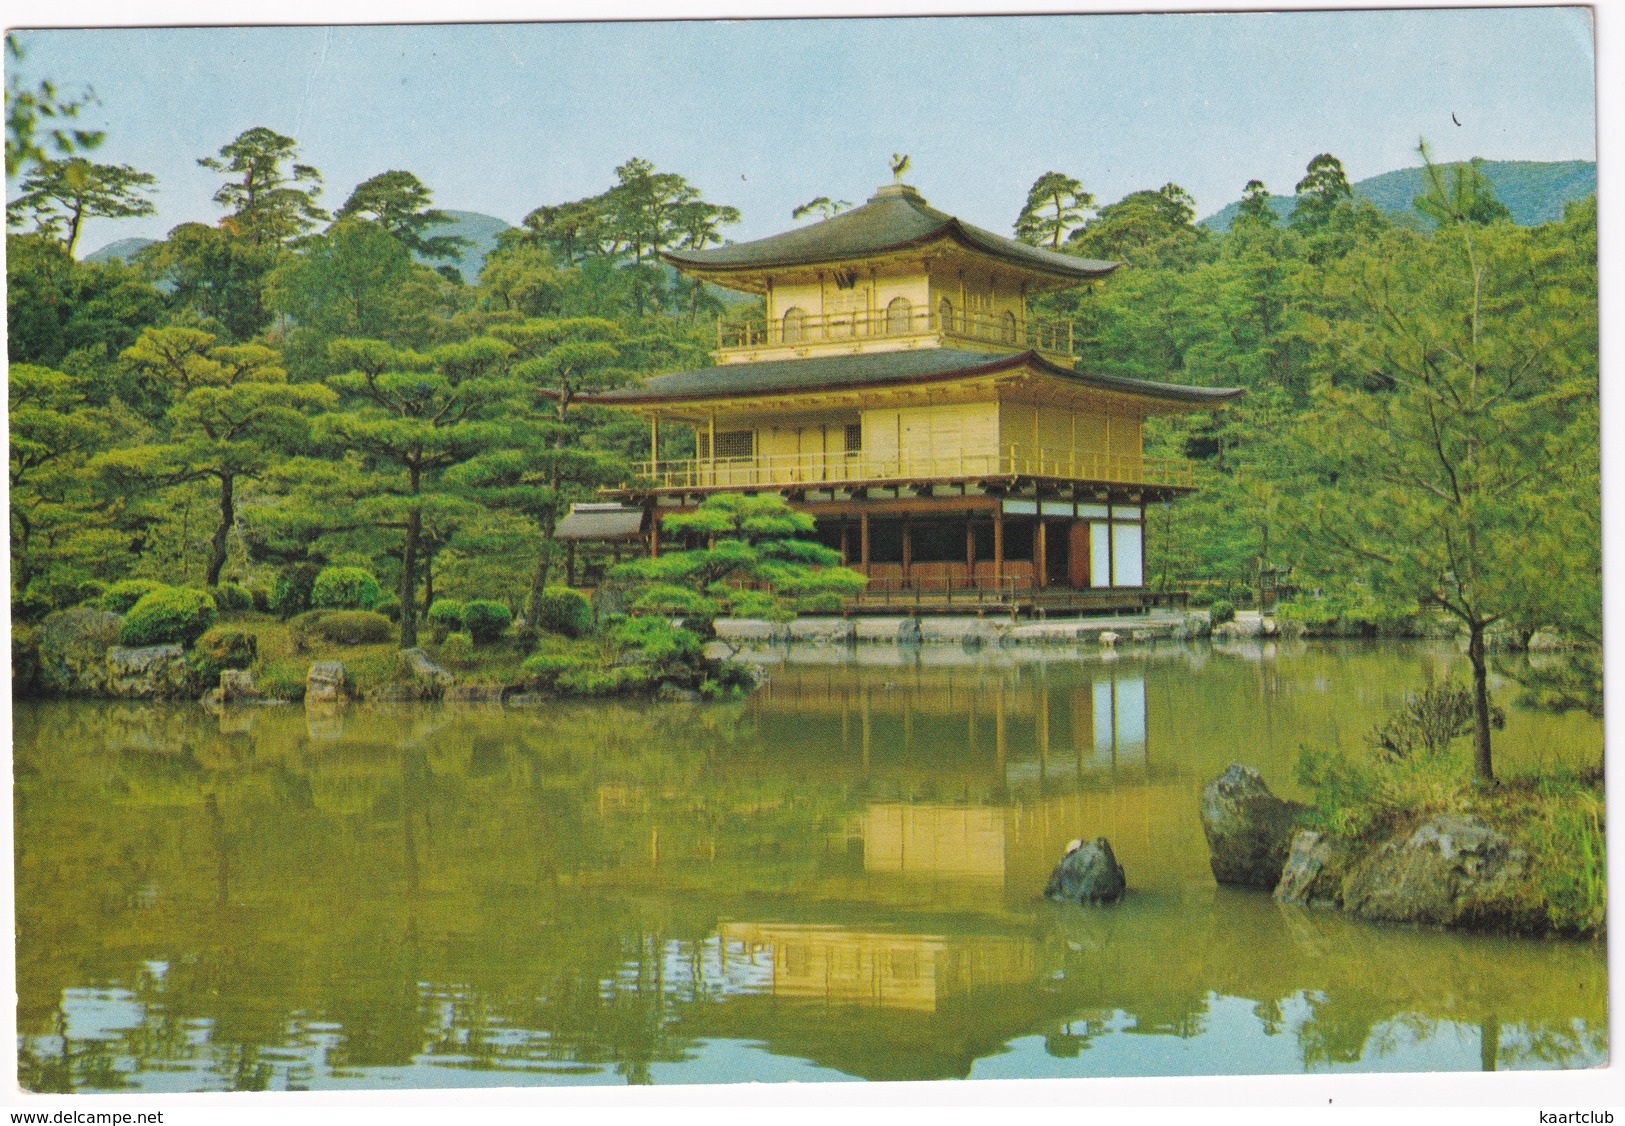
(1533, 191)
(121, 251)
(480, 230)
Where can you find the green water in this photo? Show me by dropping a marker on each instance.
(836, 879)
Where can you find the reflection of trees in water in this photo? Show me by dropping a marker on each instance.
(485, 892)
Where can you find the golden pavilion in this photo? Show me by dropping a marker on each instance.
(898, 391)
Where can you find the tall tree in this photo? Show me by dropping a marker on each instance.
(213, 275)
(399, 203)
(351, 281)
(59, 195)
(234, 416)
(418, 415)
(270, 203)
(1255, 205)
(1142, 228)
(1466, 198)
(1056, 206)
(1455, 483)
(1322, 191)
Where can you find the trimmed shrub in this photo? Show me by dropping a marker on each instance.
(457, 649)
(291, 594)
(91, 590)
(562, 610)
(485, 620)
(122, 595)
(544, 669)
(345, 588)
(223, 647)
(1222, 612)
(230, 598)
(445, 617)
(340, 627)
(390, 608)
(603, 682)
(169, 615)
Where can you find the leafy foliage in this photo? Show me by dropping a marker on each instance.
(563, 611)
(485, 620)
(177, 615)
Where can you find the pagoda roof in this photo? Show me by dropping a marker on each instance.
(924, 365)
(894, 219)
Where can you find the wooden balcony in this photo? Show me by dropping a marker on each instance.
(896, 328)
(818, 470)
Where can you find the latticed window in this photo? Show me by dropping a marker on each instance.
(736, 443)
(945, 315)
(899, 316)
(854, 437)
(1008, 324)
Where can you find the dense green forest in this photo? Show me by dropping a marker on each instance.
(287, 387)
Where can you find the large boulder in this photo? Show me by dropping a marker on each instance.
(418, 669)
(327, 682)
(826, 631)
(150, 672)
(1452, 870)
(1316, 866)
(237, 686)
(747, 631)
(73, 647)
(1249, 830)
(1088, 873)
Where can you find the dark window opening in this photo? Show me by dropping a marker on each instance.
(938, 541)
(982, 533)
(854, 437)
(1018, 540)
(885, 542)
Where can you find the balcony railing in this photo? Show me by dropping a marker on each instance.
(990, 328)
(817, 469)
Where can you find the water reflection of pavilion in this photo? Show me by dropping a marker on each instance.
(845, 965)
(1032, 726)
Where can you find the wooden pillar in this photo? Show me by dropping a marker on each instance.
(570, 563)
(908, 550)
(863, 539)
(654, 442)
(711, 446)
(970, 549)
(654, 535)
(846, 543)
(998, 546)
(1041, 552)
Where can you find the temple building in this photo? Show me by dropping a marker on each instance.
(898, 391)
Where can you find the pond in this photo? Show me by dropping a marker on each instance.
(838, 878)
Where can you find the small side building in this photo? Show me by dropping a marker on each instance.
(900, 393)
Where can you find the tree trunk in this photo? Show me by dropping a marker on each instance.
(409, 561)
(1483, 767)
(217, 543)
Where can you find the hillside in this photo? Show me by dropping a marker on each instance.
(480, 230)
(1533, 191)
(121, 251)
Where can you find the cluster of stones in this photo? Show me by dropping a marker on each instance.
(952, 630)
(1451, 870)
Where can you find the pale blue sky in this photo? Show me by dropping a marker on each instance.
(765, 114)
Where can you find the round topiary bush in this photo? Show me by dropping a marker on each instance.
(562, 610)
(125, 594)
(445, 617)
(345, 588)
(390, 608)
(1222, 611)
(170, 615)
(230, 598)
(291, 594)
(485, 620)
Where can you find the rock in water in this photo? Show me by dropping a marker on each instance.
(419, 670)
(326, 682)
(1088, 873)
(149, 672)
(1452, 871)
(237, 685)
(1249, 830)
(1316, 866)
(73, 647)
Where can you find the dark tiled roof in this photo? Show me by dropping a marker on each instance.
(894, 219)
(866, 368)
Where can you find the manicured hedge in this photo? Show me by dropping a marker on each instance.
(168, 615)
(340, 627)
(125, 594)
(562, 610)
(445, 617)
(291, 594)
(230, 598)
(485, 620)
(345, 588)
